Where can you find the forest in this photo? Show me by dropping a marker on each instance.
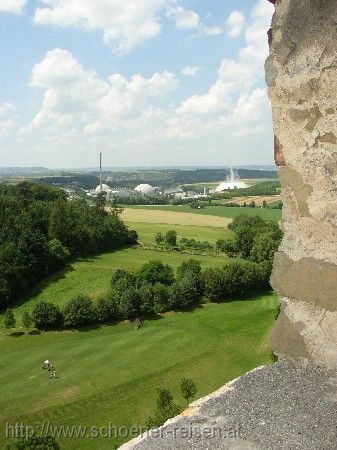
(41, 232)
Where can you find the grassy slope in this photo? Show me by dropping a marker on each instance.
(111, 374)
(221, 211)
(147, 232)
(92, 275)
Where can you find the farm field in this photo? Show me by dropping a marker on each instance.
(147, 232)
(213, 211)
(111, 374)
(91, 276)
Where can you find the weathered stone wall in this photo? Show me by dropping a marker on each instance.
(301, 74)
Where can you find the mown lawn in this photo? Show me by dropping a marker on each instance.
(111, 374)
(220, 211)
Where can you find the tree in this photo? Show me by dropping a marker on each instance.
(156, 272)
(188, 389)
(160, 294)
(106, 310)
(171, 238)
(79, 312)
(185, 292)
(264, 247)
(130, 303)
(47, 315)
(191, 266)
(58, 255)
(9, 319)
(27, 320)
(165, 409)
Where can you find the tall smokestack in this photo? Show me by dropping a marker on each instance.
(100, 172)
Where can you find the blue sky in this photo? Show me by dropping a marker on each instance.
(151, 82)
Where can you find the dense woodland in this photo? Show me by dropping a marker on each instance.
(41, 231)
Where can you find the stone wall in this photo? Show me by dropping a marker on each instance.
(301, 74)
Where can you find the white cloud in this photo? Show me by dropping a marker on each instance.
(13, 6)
(76, 97)
(190, 71)
(236, 100)
(125, 24)
(185, 19)
(5, 108)
(7, 121)
(235, 23)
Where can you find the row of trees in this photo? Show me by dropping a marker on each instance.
(153, 290)
(40, 231)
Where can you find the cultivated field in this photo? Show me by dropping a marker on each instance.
(166, 215)
(214, 211)
(111, 374)
(147, 231)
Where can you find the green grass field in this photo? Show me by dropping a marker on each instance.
(147, 232)
(92, 275)
(111, 374)
(220, 211)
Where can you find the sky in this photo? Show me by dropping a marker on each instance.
(146, 82)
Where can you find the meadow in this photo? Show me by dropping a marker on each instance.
(147, 231)
(91, 276)
(111, 374)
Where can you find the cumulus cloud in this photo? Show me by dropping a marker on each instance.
(125, 24)
(235, 99)
(190, 71)
(189, 20)
(235, 24)
(75, 96)
(13, 6)
(7, 121)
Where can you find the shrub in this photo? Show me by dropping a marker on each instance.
(79, 312)
(106, 310)
(33, 442)
(27, 320)
(171, 238)
(188, 388)
(166, 409)
(185, 292)
(130, 304)
(156, 272)
(159, 239)
(9, 319)
(265, 246)
(160, 294)
(47, 315)
(235, 280)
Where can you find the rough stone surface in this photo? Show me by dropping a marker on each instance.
(275, 407)
(301, 78)
(308, 279)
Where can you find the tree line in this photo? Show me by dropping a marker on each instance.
(41, 231)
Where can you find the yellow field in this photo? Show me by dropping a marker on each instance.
(173, 218)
